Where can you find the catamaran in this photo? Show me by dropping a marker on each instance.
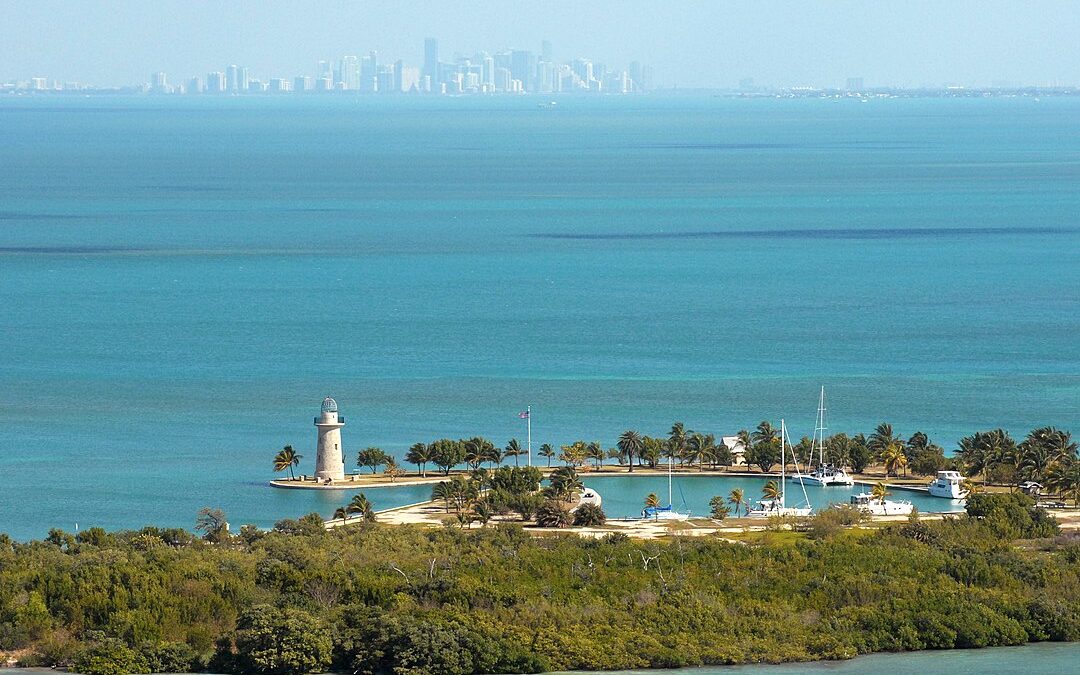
(664, 512)
(948, 485)
(824, 474)
(778, 506)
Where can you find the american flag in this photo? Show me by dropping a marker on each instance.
(523, 415)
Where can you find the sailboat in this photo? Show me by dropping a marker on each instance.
(824, 474)
(779, 507)
(664, 512)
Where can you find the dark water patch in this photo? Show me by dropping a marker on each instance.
(68, 250)
(838, 145)
(187, 188)
(805, 233)
(22, 215)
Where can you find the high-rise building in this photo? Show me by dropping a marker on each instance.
(545, 51)
(523, 67)
(303, 83)
(431, 60)
(855, 84)
(386, 80)
(502, 79)
(583, 68)
(215, 82)
(325, 70)
(232, 79)
(158, 82)
(195, 86)
(350, 73)
(245, 79)
(635, 75)
(369, 71)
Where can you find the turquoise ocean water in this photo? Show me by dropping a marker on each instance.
(183, 280)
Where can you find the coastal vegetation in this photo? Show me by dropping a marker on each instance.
(1047, 456)
(380, 599)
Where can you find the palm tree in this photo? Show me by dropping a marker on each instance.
(676, 445)
(764, 433)
(879, 492)
(442, 490)
(552, 513)
(595, 452)
(482, 512)
(771, 491)
(1064, 479)
(342, 513)
(565, 482)
(736, 498)
(653, 450)
(893, 458)
(513, 449)
(651, 500)
(546, 451)
(287, 459)
(631, 443)
(589, 515)
(420, 454)
(360, 504)
(882, 438)
(699, 448)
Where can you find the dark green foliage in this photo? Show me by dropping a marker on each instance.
(379, 599)
(1011, 515)
(589, 515)
(272, 640)
(719, 508)
(108, 656)
(553, 513)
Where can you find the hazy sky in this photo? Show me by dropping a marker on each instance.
(887, 42)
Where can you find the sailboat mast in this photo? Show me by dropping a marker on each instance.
(819, 433)
(783, 483)
(669, 462)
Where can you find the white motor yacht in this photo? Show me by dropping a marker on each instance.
(948, 485)
(881, 507)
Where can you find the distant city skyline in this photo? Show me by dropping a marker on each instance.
(690, 44)
(510, 71)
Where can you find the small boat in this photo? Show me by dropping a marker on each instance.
(948, 485)
(664, 512)
(778, 506)
(590, 496)
(881, 507)
(824, 474)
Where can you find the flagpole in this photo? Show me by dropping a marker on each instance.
(528, 425)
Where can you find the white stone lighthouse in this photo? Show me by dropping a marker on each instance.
(329, 462)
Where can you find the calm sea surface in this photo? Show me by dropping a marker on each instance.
(1025, 660)
(183, 280)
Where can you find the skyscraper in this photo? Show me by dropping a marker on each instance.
(545, 50)
(369, 70)
(215, 82)
(431, 60)
(350, 72)
(232, 79)
(523, 67)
